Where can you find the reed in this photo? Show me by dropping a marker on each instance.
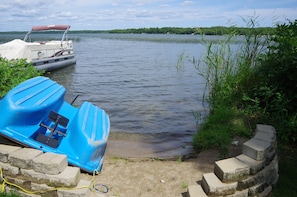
(228, 67)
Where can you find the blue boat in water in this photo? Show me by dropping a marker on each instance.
(35, 114)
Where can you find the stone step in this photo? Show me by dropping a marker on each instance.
(243, 193)
(255, 166)
(256, 149)
(5, 150)
(82, 189)
(268, 137)
(68, 178)
(23, 158)
(213, 186)
(50, 163)
(195, 191)
(231, 169)
(265, 128)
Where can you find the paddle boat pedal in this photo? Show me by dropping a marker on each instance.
(50, 140)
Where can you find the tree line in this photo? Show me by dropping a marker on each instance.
(218, 30)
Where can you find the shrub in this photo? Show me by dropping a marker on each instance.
(256, 85)
(13, 72)
(276, 87)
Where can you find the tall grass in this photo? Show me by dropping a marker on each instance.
(228, 68)
(216, 68)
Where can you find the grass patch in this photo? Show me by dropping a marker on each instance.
(219, 128)
(184, 185)
(10, 194)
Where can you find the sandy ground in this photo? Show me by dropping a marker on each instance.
(136, 168)
(147, 177)
(153, 177)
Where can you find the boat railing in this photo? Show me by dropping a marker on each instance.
(65, 37)
(47, 28)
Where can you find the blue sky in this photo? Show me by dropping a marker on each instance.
(21, 15)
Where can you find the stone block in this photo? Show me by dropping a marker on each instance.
(195, 191)
(44, 189)
(256, 149)
(255, 166)
(18, 181)
(82, 190)
(265, 128)
(266, 192)
(231, 169)
(265, 136)
(248, 182)
(5, 150)
(33, 175)
(270, 172)
(9, 169)
(253, 191)
(40, 187)
(274, 183)
(22, 158)
(270, 155)
(243, 193)
(68, 178)
(213, 186)
(50, 163)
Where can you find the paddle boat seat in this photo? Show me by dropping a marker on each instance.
(31, 101)
(90, 127)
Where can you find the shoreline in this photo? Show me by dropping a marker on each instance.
(134, 145)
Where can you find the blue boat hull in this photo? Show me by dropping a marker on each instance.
(35, 114)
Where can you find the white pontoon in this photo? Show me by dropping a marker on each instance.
(44, 55)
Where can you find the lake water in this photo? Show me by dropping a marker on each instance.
(135, 80)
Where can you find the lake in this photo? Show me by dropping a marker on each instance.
(134, 78)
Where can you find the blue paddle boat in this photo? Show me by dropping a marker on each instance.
(35, 114)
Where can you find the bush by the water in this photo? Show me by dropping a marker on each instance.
(257, 84)
(275, 92)
(13, 72)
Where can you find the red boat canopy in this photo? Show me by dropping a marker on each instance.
(50, 27)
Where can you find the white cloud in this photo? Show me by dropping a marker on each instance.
(94, 14)
(188, 3)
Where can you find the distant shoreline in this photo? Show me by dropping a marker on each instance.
(218, 30)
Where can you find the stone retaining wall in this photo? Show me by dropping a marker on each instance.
(34, 170)
(253, 173)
